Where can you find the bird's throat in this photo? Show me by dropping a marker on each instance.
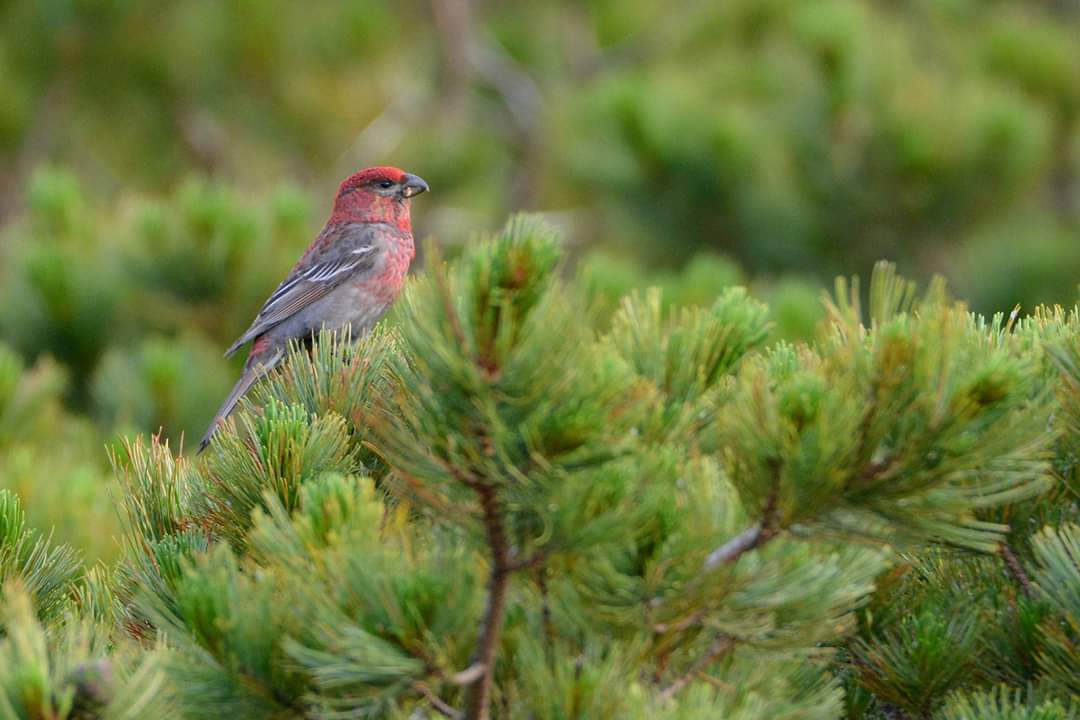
(370, 208)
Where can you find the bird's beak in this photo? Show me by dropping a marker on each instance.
(413, 185)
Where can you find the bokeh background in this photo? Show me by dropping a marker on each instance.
(163, 163)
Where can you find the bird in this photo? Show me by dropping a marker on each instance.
(349, 276)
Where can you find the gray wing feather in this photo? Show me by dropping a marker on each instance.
(305, 285)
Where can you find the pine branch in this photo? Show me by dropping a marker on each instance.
(719, 647)
(753, 537)
(750, 538)
(467, 676)
(437, 703)
(478, 697)
(1016, 570)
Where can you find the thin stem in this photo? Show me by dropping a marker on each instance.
(752, 537)
(437, 703)
(467, 676)
(716, 650)
(478, 696)
(1012, 564)
(736, 547)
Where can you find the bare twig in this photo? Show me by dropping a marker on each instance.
(716, 650)
(684, 624)
(734, 548)
(467, 676)
(437, 703)
(752, 537)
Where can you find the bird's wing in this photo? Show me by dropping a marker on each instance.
(353, 251)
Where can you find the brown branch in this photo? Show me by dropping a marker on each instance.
(437, 703)
(478, 696)
(1012, 564)
(736, 547)
(684, 624)
(467, 676)
(752, 537)
(720, 646)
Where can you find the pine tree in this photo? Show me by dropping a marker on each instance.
(497, 511)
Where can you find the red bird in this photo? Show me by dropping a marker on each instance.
(350, 275)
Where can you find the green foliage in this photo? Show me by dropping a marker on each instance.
(46, 571)
(792, 138)
(191, 250)
(71, 672)
(277, 451)
(690, 504)
(394, 606)
(687, 355)
(338, 377)
(227, 628)
(39, 440)
(60, 297)
(25, 396)
(161, 384)
(1003, 704)
(487, 399)
(1021, 258)
(873, 436)
(1064, 349)
(160, 533)
(666, 518)
(1057, 550)
(913, 665)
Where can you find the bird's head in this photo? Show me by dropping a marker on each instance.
(377, 194)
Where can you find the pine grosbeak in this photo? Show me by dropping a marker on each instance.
(349, 276)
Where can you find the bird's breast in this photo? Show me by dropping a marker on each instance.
(385, 284)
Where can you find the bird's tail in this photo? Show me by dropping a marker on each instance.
(251, 375)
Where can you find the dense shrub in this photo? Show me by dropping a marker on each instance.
(496, 510)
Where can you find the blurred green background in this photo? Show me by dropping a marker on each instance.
(164, 163)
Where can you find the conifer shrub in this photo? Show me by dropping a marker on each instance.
(495, 510)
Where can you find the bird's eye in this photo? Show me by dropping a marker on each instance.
(386, 184)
